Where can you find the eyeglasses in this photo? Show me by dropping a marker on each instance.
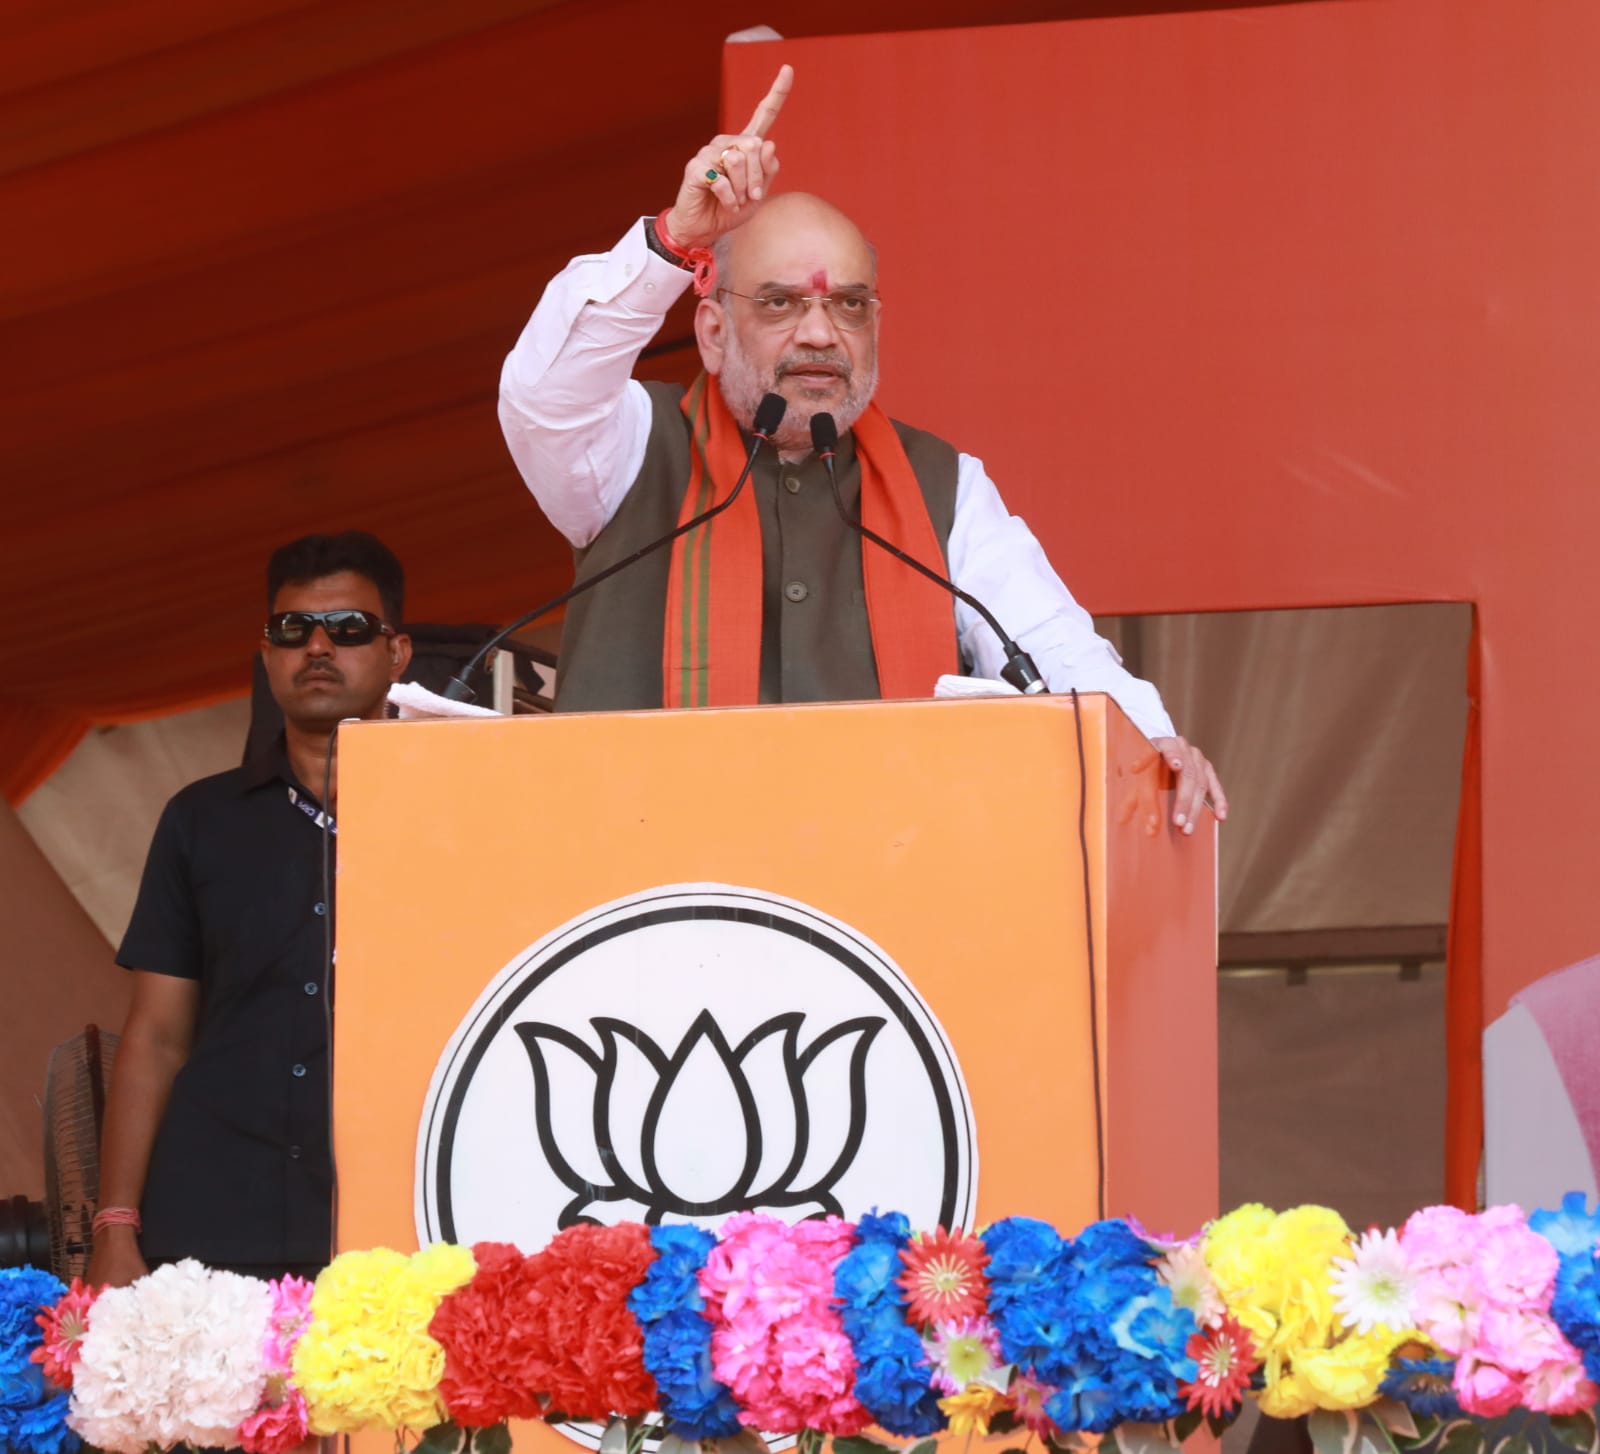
(344, 628)
(783, 308)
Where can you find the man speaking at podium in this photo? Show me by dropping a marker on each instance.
(777, 600)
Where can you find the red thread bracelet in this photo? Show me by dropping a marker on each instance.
(117, 1217)
(697, 260)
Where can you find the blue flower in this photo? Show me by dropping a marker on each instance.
(677, 1351)
(1103, 1246)
(1573, 1231)
(891, 1368)
(673, 1278)
(1021, 1250)
(43, 1429)
(23, 1292)
(867, 1274)
(893, 1227)
(677, 1339)
(1426, 1386)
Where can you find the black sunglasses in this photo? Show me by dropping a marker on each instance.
(344, 628)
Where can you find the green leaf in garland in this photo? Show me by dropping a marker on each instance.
(1186, 1424)
(496, 1439)
(855, 1444)
(1333, 1431)
(1576, 1431)
(1461, 1436)
(1514, 1444)
(442, 1438)
(1395, 1417)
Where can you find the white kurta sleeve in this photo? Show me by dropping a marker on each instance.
(995, 557)
(574, 420)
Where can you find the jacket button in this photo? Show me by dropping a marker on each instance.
(311, 986)
(796, 590)
(792, 484)
(295, 1153)
(297, 1071)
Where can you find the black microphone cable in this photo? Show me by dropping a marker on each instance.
(769, 415)
(1019, 669)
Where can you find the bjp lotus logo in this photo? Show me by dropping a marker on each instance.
(738, 1145)
(686, 1053)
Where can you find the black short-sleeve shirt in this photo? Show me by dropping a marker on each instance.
(232, 897)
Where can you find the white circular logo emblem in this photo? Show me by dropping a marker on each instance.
(686, 1053)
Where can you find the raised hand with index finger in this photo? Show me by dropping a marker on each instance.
(729, 176)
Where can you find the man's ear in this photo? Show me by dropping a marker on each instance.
(710, 321)
(399, 656)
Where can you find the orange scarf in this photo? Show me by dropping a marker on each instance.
(713, 628)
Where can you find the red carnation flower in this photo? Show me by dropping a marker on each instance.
(485, 1329)
(589, 1354)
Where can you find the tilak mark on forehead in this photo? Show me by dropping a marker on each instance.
(819, 281)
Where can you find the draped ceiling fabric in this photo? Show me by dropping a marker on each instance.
(262, 262)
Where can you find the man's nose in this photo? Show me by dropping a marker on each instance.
(817, 329)
(318, 643)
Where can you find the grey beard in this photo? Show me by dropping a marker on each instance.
(743, 390)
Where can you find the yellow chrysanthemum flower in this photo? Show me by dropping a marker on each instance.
(1347, 1375)
(970, 1410)
(366, 1358)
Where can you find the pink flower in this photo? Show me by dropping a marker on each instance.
(1521, 1341)
(1559, 1388)
(275, 1428)
(1448, 1304)
(1485, 1390)
(777, 1340)
(1028, 1397)
(1517, 1266)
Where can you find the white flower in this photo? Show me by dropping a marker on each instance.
(1183, 1270)
(177, 1358)
(1375, 1285)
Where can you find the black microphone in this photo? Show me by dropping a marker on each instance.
(769, 415)
(1019, 669)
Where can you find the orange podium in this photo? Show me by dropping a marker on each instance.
(666, 965)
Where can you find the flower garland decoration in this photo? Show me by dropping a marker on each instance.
(591, 1348)
(279, 1423)
(485, 1328)
(778, 1341)
(1484, 1289)
(891, 1368)
(174, 1359)
(677, 1338)
(1093, 1319)
(367, 1359)
(33, 1407)
(1276, 1272)
(827, 1327)
(63, 1325)
(1574, 1232)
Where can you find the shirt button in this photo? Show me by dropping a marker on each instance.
(796, 590)
(295, 1153)
(311, 986)
(319, 908)
(297, 1071)
(792, 484)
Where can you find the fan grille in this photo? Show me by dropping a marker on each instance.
(74, 1112)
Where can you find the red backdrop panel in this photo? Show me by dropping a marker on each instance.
(1270, 308)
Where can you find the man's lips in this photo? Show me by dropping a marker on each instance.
(311, 678)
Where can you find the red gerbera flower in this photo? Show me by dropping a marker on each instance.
(1227, 1357)
(944, 1276)
(64, 1326)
